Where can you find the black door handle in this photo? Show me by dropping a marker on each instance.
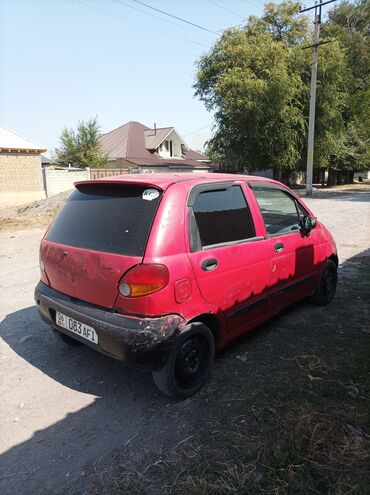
(279, 247)
(209, 264)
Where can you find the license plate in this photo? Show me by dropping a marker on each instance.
(76, 327)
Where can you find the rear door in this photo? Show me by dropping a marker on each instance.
(293, 255)
(228, 254)
(98, 235)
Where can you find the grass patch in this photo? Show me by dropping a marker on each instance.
(315, 442)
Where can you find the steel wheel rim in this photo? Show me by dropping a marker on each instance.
(191, 362)
(329, 283)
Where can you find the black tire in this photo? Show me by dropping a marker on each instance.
(189, 363)
(66, 338)
(326, 288)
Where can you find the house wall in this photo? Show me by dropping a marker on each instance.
(364, 174)
(20, 172)
(20, 178)
(176, 146)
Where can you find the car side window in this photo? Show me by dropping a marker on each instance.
(221, 216)
(279, 210)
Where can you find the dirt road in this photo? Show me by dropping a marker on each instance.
(65, 412)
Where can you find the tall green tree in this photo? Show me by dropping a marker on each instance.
(247, 80)
(349, 24)
(256, 80)
(81, 147)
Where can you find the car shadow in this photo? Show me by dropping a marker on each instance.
(125, 403)
(77, 367)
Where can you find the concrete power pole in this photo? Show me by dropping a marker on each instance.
(311, 119)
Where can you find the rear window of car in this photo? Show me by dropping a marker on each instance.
(110, 218)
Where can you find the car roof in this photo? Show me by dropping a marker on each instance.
(164, 180)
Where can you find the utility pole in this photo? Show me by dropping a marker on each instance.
(311, 119)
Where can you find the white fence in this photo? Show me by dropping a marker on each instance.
(59, 180)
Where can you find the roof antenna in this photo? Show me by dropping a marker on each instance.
(155, 128)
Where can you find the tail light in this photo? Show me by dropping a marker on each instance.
(143, 280)
(43, 275)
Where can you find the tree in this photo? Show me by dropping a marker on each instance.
(81, 148)
(250, 80)
(349, 23)
(256, 79)
(246, 78)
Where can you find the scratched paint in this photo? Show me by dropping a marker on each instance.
(88, 275)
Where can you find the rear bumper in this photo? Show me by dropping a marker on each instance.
(139, 342)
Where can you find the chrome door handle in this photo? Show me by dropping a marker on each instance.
(279, 247)
(209, 264)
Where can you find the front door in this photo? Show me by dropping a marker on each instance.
(229, 256)
(292, 253)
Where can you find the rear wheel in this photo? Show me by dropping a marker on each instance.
(188, 364)
(325, 291)
(65, 338)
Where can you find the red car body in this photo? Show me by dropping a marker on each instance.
(230, 287)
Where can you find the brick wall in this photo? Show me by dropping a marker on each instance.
(20, 172)
(57, 181)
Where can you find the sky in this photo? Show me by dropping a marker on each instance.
(62, 61)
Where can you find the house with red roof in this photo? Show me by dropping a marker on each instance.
(138, 148)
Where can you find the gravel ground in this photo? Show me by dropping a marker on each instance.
(35, 214)
(65, 410)
(346, 215)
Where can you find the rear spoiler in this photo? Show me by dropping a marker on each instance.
(118, 182)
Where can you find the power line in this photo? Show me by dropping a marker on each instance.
(238, 10)
(141, 24)
(175, 17)
(197, 130)
(321, 4)
(153, 15)
(221, 6)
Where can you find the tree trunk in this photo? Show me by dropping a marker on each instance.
(331, 177)
(329, 182)
(276, 174)
(285, 176)
(322, 177)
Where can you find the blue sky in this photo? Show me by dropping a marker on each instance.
(66, 60)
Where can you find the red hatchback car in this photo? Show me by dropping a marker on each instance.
(160, 270)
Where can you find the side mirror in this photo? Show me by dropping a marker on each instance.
(308, 224)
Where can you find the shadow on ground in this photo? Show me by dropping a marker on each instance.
(67, 456)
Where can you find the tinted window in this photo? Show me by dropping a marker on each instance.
(278, 209)
(110, 218)
(222, 216)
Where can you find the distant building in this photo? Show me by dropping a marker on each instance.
(45, 162)
(135, 147)
(20, 168)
